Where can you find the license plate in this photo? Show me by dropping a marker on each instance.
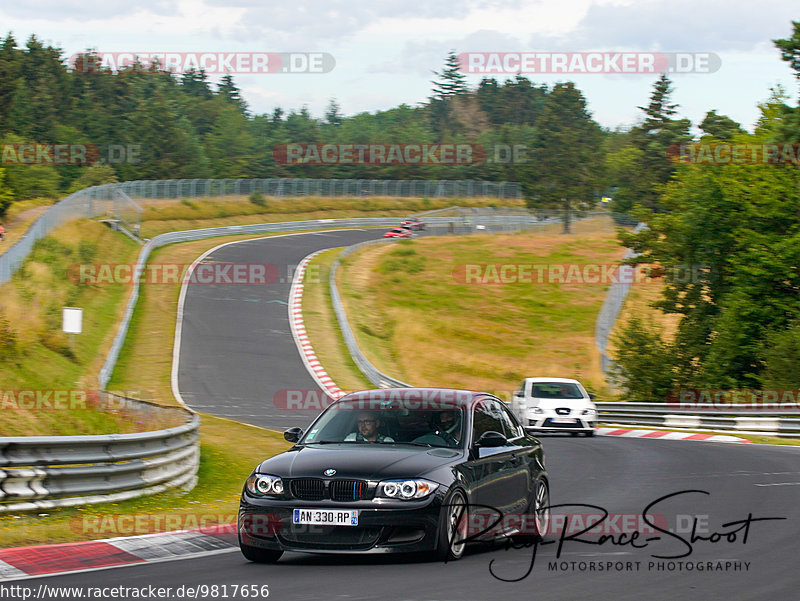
(328, 517)
(563, 420)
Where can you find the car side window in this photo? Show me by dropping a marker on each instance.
(487, 419)
(512, 428)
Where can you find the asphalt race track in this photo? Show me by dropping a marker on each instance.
(237, 352)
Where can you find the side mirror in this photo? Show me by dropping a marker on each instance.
(592, 395)
(491, 439)
(293, 434)
(518, 393)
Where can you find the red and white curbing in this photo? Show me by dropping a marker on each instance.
(20, 563)
(301, 336)
(667, 435)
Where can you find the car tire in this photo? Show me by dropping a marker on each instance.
(259, 555)
(590, 433)
(540, 507)
(453, 522)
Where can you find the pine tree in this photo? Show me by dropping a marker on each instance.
(565, 170)
(228, 90)
(333, 114)
(452, 81)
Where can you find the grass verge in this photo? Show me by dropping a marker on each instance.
(37, 357)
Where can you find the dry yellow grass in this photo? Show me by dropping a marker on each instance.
(19, 218)
(430, 330)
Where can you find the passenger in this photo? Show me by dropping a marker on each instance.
(368, 425)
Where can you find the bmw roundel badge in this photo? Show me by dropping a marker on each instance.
(330, 472)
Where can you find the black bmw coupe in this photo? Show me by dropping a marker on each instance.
(398, 470)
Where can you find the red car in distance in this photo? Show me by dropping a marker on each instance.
(398, 232)
(415, 223)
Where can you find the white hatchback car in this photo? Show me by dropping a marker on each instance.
(555, 405)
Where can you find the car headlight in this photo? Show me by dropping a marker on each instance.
(536, 410)
(414, 488)
(588, 412)
(263, 485)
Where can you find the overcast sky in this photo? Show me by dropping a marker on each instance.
(385, 50)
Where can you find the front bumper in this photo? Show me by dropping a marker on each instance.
(557, 423)
(389, 528)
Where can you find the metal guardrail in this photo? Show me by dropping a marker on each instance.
(752, 421)
(43, 472)
(785, 423)
(612, 305)
(373, 374)
(103, 200)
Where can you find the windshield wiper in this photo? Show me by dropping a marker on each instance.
(338, 442)
(416, 444)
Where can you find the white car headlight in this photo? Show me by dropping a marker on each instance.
(262, 485)
(589, 412)
(536, 410)
(413, 488)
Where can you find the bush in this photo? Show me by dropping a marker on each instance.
(258, 199)
(780, 359)
(644, 363)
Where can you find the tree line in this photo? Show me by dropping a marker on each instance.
(143, 122)
(730, 232)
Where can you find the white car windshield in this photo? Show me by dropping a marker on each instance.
(556, 390)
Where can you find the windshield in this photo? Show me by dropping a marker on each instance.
(556, 390)
(387, 423)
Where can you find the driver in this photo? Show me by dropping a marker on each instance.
(368, 425)
(448, 426)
